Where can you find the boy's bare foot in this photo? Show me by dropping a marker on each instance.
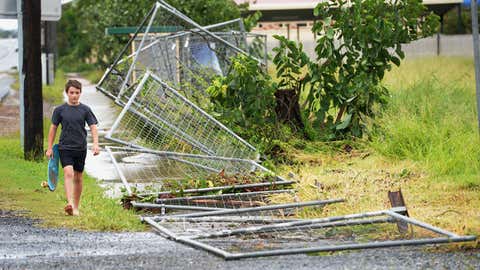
(68, 210)
(76, 212)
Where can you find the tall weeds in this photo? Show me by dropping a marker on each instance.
(432, 119)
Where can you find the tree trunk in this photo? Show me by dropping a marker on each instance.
(288, 109)
(340, 114)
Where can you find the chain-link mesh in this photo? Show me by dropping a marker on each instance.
(203, 181)
(178, 171)
(187, 57)
(158, 117)
(186, 61)
(234, 238)
(166, 179)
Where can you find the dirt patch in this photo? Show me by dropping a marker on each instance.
(10, 114)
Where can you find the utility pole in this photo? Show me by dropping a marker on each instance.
(476, 54)
(30, 78)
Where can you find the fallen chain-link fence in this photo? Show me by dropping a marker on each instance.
(183, 54)
(236, 220)
(209, 181)
(166, 170)
(158, 117)
(237, 239)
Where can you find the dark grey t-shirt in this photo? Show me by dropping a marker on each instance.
(73, 119)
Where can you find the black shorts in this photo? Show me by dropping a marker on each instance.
(73, 158)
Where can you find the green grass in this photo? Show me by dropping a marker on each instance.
(20, 189)
(425, 143)
(52, 94)
(432, 119)
(93, 76)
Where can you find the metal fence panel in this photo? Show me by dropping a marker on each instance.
(157, 117)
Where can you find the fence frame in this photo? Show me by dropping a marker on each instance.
(393, 216)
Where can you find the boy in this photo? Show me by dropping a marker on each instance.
(73, 142)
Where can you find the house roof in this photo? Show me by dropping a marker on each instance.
(310, 4)
(281, 10)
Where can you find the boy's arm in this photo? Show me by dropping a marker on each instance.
(95, 148)
(51, 137)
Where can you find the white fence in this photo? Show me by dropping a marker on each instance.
(444, 45)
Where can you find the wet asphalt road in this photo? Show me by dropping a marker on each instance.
(8, 54)
(5, 82)
(24, 245)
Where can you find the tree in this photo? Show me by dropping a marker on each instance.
(290, 61)
(244, 100)
(358, 42)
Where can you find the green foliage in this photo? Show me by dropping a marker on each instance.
(81, 30)
(357, 44)
(251, 20)
(348, 78)
(53, 94)
(206, 12)
(244, 100)
(290, 60)
(452, 24)
(433, 120)
(8, 33)
(344, 83)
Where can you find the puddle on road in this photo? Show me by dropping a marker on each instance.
(5, 86)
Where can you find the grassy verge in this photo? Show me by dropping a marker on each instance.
(52, 94)
(433, 119)
(425, 143)
(92, 75)
(20, 189)
(364, 178)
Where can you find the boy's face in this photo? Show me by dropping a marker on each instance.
(73, 95)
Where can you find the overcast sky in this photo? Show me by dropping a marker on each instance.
(12, 24)
(8, 24)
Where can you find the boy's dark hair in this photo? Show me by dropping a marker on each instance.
(73, 83)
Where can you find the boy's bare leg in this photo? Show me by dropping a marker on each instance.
(77, 188)
(68, 175)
